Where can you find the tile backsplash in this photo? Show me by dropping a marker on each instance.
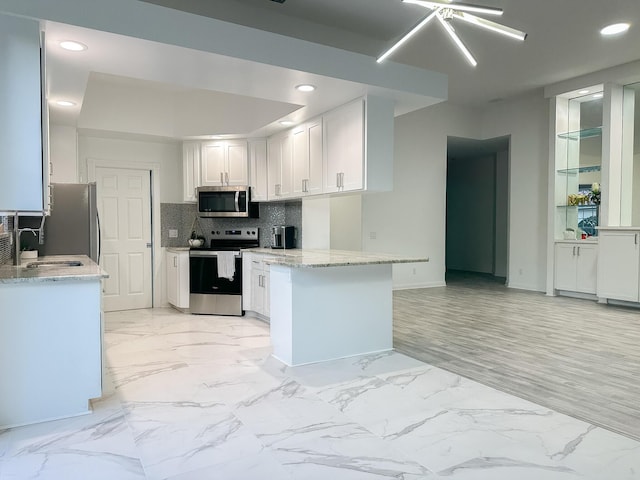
(6, 252)
(183, 218)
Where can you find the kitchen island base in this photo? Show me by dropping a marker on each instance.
(326, 313)
(50, 355)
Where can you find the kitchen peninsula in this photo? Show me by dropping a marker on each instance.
(328, 304)
(50, 339)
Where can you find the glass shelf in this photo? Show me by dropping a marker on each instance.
(586, 169)
(582, 134)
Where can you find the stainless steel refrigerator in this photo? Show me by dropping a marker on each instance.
(73, 228)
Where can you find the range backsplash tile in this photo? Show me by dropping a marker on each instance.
(183, 217)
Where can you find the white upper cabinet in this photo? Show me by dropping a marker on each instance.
(224, 163)
(307, 158)
(344, 148)
(190, 170)
(280, 167)
(347, 149)
(22, 181)
(300, 145)
(258, 169)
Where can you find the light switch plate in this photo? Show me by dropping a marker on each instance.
(173, 233)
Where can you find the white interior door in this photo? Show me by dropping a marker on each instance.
(125, 214)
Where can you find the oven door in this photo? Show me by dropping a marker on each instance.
(210, 294)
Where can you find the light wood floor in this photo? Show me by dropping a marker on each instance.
(574, 356)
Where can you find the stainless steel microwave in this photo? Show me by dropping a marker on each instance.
(226, 202)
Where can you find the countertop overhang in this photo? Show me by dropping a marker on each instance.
(309, 258)
(89, 270)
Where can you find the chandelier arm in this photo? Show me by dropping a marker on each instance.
(456, 39)
(490, 25)
(463, 7)
(406, 37)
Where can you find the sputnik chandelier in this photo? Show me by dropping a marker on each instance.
(445, 12)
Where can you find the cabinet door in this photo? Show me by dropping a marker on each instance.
(314, 182)
(300, 166)
(258, 169)
(565, 267)
(344, 148)
(274, 173)
(237, 171)
(257, 291)
(213, 164)
(586, 268)
(183, 280)
(266, 290)
(21, 180)
(172, 278)
(618, 265)
(286, 166)
(190, 170)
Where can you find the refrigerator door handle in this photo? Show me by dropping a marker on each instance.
(99, 239)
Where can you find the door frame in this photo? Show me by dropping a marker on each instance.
(154, 169)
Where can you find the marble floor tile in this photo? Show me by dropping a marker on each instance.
(201, 398)
(260, 466)
(175, 438)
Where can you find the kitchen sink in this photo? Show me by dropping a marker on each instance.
(55, 263)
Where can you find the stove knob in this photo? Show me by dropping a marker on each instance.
(218, 232)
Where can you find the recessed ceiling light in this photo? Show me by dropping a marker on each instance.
(597, 95)
(73, 46)
(65, 103)
(305, 87)
(615, 29)
(583, 92)
(286, 123)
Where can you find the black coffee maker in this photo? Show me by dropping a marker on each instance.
(283, 236)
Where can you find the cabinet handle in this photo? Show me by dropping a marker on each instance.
(221, 178)
(636, 238)
(578, 251)
(175, 262)
(226, 177)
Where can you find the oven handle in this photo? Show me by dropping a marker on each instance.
(209, 253)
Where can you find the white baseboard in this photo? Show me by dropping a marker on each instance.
(411, 286)
(522, 286)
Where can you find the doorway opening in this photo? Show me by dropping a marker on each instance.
(477, 213)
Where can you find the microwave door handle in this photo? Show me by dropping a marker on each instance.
(237, 201)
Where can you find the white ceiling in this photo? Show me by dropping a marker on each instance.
(563, 37)
(563, 43)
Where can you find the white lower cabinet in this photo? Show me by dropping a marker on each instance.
(256, 281)
(576, 267)
(178, 278)
(619, 264)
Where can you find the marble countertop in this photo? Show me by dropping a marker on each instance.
(89, 270)
(304, 258)
(178, 249)
(579, 240)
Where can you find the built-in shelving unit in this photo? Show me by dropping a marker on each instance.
(582, 134)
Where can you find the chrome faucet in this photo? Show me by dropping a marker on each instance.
(17, 232)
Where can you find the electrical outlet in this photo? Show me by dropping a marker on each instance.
(173, 233)
(373, 235)
(414, 271)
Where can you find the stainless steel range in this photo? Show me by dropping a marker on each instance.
(215, 272)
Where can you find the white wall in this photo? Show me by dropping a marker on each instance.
(63, 154)
(411, 219)
(167, 154)
(527, 121)
(346, 223)
(502, 214)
